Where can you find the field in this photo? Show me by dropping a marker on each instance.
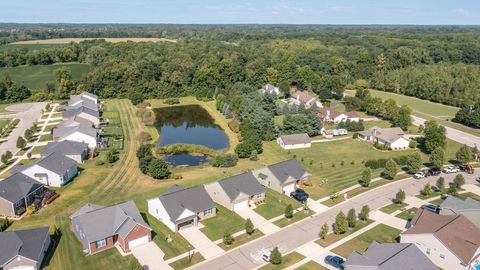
(77, 40)
(35, 77)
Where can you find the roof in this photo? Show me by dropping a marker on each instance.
(385, 134)
(71, 112)
(286, 169)
(62, 132)
(178, 198)
(17, 187)
(65, 148)
(87, 103)
(26, 243)
(243, 183)
(303, 96)
(84, 93)
(74, 121)
(295, 139)
(99, 222)
(391, 256)
(56, 162)
(456, 232)
(458, 205)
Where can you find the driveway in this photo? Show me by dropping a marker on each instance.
(150, 257)
(201, 243)
(258, 221)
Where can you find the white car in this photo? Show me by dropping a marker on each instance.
(267, 256)
(419, 175)
(451, 169)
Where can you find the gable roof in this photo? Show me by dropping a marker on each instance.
(62, 132)
(25, 243)
(17, 186)
(178, 198)
(65, 148)
(75, 121)
(385, 134)
(458, 205)
(295, 139)
(391, 256)
(83, 94)
(287, 169)
(99, 222)
(87, 103)
(71, 112)
(56, 162)
(241, 183)
(303, 96)
(456, 232)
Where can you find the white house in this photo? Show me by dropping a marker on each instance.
(303, 97)
(77, 151)
(83, 112)
(329, 115)
(391, 137)
(79, 133)
(270, 89)
(294, 141)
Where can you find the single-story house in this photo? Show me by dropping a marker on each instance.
(469, 207)
(17, 192)
(303, 97)
(100, 227)
(389, 256)
(85, 113)
(77, 151)
(86, 96)
(79, 133)
(283, 177)
(451, 242)
(330, 115)
(24, 249)
(270, 89)
(237, 192)
(393, 137)
(294, 141)
(180, 207)
(52, 170)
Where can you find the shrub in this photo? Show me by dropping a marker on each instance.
(323, 231)
(158, 169)
(228, 239)
(276, 256)
(249, 229)
(144, 163)
(365, 212)
(412, 144)
(400, 196)
(254, 156)
(352, 218)
(172, 101)
(21, 143)
(4, 224)
(289, 211)
(427, 189)
(225, 160)
(143, 151)
(112, 155)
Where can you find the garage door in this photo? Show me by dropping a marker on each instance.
(138, 242)
(186, 224)
(288, 189)
(240, 205)
(23, 268)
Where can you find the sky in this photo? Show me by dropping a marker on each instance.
(420, 12)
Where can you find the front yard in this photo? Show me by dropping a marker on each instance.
(224, 221)
(275, 204)
(287, 260)
(393, 207)
(311, 265)
(242, 239)
(408, 214)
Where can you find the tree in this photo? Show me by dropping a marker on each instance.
(8, 154)
(366, 177)
(352, 218)
(289, 211)
(437, 157)
(254, 155)
(464, 155)
(158, 169)
(365, 212)
(440, 184)
(323, 231)
(143, 151)
(400, 196)
(459, 180)
(427, 189)
(28, 134)
(414, 162)
(228, 239)
(434, 136)
(4, 159)
(133, 264)
(402, 118)
(390, 169)
(112, 155)
(21, 143)
(341, 224)
(276, 256)
(249, 229)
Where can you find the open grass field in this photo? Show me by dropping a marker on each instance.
(311, 265)
(35, 77)
(287, 260)
(55, 41)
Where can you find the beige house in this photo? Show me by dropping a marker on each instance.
(294, 141)
(394, 138)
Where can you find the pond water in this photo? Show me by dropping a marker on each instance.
(188, 124)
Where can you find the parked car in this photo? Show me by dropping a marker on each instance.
(299, 195)
(419, 175)
(335, 261)
(433, 172)
(451, 169)
(267, 256)
(477, 179)
(431, 208)
(467, 168)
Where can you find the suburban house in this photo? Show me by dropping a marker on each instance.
(283, 177)
(294, 141)
(101, 227)
(83, 112)
(83, 102)
(329, 115)
(469, 207)
(85, 96)
(303, 97)
(78, 133)
(393, 138)
(180, 207)
(451, 242)
(237, 192)
(270, 89)
(16, 193)
(52, 170)
(77, 151)
(24, 250)
(398, 256)
(74, 121)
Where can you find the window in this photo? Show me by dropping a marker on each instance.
(207, 212)
(442, 256)
(101, 243)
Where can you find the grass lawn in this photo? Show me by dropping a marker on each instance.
(46, 137)
(408, 214)
(186, 262)
(4, 122)
(287, 260)
(393, 207)
(380, 233)
(359, 190)
(242, 239)
(377, 123)
(224, 221)
(332, 238)
(275, 204)
(50, 127)
(37, 150)
(427, 197)
(334, 201)
(311, 265)
(296, 217)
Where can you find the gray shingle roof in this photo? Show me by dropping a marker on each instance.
(26, 243)
(65, 148)
(84, 93)
(17, 187)
(57, 163)
(75, 111)
(81, 101)
(459, 205)
(392, 256)
(242, 183)
(385, 134)
(286, 169)
(178, 198)
(295, 139)
(82, 128)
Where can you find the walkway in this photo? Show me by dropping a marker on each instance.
(258, 221)
(202, 244)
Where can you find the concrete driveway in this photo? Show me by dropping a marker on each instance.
(200, 242)
(258, 221)
(150, 256)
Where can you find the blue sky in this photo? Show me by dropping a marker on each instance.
(234, 11)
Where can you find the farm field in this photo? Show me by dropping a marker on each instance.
(76, 40)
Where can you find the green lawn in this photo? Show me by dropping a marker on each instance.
(242, 239)
(380, 233)
(187, 262)
(37, 150)
(224, 221)
(50, 127)
(4, 123)
(311, 265)
(334, 200)
(393, 207)
(296, 217)
(427, 197)
(408, 214)
(275, 204)
(46, 137)
(287, 260)
(332, 238)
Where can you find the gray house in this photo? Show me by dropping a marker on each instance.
(17, 192)
(391, 256)
(237, 192)
(77, 151)
(78, 133)
(23, 250)
(469, 207)
(83, 112)
(83, 102)
(283, 177)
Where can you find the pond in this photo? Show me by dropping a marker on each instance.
(190, 124)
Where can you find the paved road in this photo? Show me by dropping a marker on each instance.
(453, 134)
(292, 237)
(28, 113)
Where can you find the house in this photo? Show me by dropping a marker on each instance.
(283, 177)
(24, 250)
(74, 121)
(303, 97)
(294, 141)
(334, 132)
(16, 193)
(270, 89)
(100, 227)
(329, 115)
(470, 208)
(83, 102)
(85, 96)
(77, 151)
(237, 192)
(83, 112)
(389, 256)
(52, 170)
(394, 138)
(180, 207)
(451, 242)
(77, 133)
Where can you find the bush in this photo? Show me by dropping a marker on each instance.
(365, 212)
(228, 239)
(289, 211)
(158, 169)
(412, 144)
(249, 229)
(144, 151)
(400, 197)
(112, 155)
(352, 218)
(226, 160)
(4, 224)
(323, 231)
(172, 101)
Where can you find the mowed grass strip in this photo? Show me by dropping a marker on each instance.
(332, 238)
(187, 262)
(311, 265)
(287, 260)
(393, 207)
(297, 215)
(242, 239)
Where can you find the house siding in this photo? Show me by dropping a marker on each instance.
(6, 208)
(201, 215)
(137, 232)
(156, 209)
(218, 195)
(110, 243)
(21, 261)
(53, 179)
(79, 137)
